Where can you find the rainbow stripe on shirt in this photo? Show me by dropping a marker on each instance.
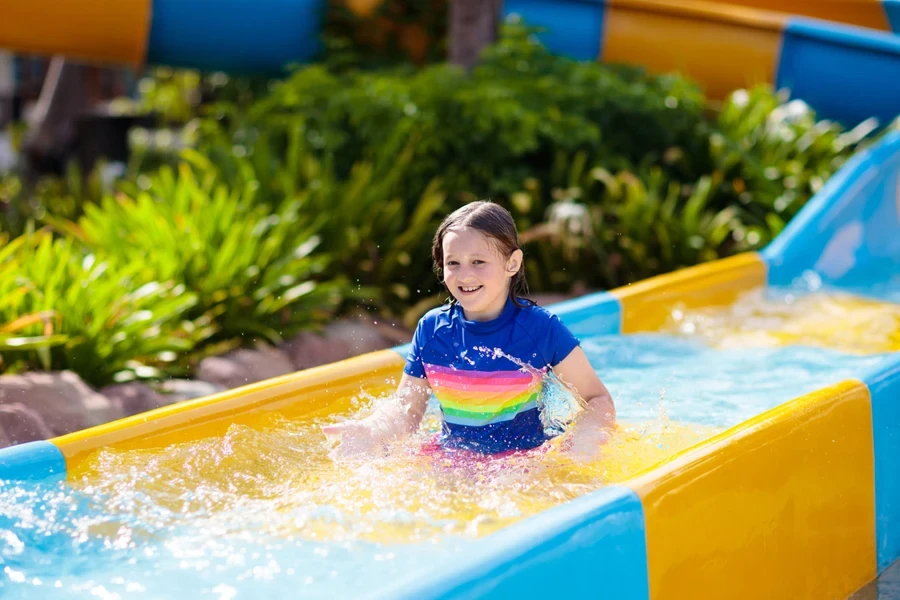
(478, 398)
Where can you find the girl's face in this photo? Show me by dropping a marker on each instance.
(476, 273)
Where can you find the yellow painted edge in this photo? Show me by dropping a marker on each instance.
(317, 391)
(749, 513)
(646, 305)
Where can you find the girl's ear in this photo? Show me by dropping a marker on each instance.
(514, 262)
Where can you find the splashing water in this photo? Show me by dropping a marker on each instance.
(264, 511)
(241, 509)
(779, 317)
(557, 402)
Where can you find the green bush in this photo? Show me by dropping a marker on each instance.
(62, 197)
(767, 159)
(610, 230)
(252, 268)
(613, 175)
(481, 133)
(371, 231)
(772, 156)
(526, 128)
(393, 31)
(62, 307)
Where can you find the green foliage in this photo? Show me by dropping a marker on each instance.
(482, 133)
(64, 308)
(63, 197)
(178, 96)
(251, 267)
(370, 230)
(606, 230)
(383, 33)
(322, 195)
(772, 156)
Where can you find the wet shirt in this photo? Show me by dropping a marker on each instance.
(487, 375)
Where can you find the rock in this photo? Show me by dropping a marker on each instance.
(244, 366)
(360, 336)
(179, 390)
(20, 424)
(340, 341)
(62, 399)
(310, 350)
(134, 397)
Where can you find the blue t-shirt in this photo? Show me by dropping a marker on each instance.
(489, 398)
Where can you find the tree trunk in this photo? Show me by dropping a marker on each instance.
(51, 127)
(7, 89)
(473, 27)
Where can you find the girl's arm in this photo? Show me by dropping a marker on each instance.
(395, 418)
(592, 426)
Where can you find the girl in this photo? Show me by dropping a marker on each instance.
(485, 355)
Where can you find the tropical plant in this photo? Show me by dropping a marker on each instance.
(62, 307)
(252, 269)
(772, 155)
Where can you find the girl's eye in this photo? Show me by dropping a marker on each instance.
(478, 262)
(452, 263)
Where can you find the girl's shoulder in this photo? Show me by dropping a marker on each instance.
(530, 311)
(435, 318)
(538, 321)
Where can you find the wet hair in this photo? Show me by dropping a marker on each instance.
(497, 225)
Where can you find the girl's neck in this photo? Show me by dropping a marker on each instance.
(489, 314)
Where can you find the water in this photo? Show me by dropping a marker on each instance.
(264, 511)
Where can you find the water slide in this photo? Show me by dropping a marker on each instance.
(766, 468)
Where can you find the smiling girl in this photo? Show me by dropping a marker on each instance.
(484, 356)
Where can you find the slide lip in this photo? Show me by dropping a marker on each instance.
(840, 34)
(861, 167)
(239, 36)
(32, 461)
(753, 18)
(539, 536)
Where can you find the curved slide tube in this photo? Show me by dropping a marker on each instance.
(245, 36)
(807, 493)
(846, 73)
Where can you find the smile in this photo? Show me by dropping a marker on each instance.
(469, 289)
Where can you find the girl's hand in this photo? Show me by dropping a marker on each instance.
(358, 437)
(587, 434)
(395, 418)
(592, 427)
(586, 441)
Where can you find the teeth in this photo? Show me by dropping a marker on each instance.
(470, 289)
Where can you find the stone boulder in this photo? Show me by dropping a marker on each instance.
(62, 400)
(179, 390)
(134, 397)
(20, 424)
(243, 366)
(342, 340)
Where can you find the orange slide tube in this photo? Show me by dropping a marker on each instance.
(665, 37)
(863, 13)
(93, 30)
